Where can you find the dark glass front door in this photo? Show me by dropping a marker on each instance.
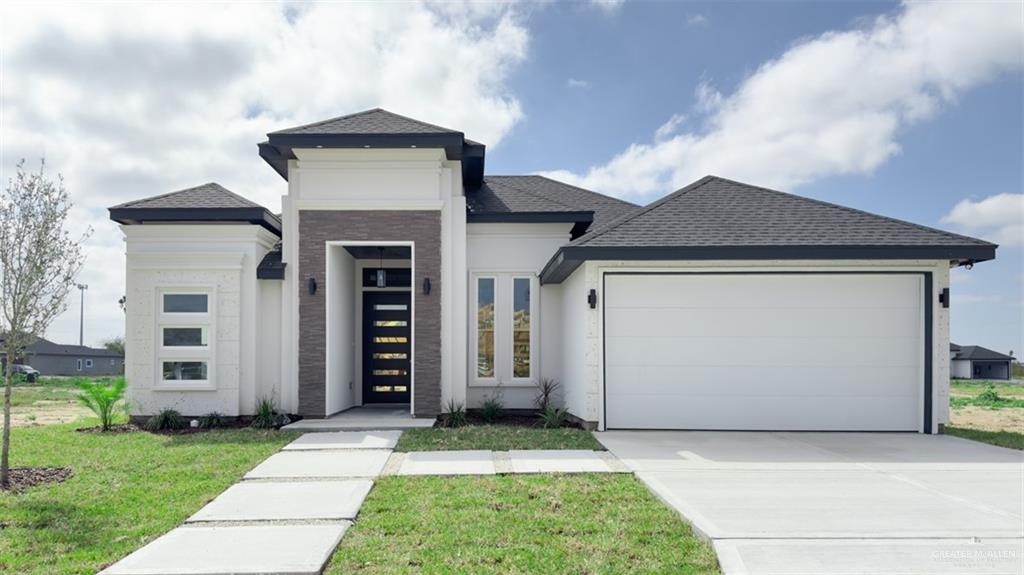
(387, 347)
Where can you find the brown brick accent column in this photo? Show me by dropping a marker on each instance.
(319, 226)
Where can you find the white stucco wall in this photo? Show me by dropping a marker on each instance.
(591, 406)
(521, 249)
(268, 336)
(960, 368)
(574, 320)
(341, 328)
(220, 260)
(379, 179)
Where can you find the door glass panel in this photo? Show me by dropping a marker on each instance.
(387, 339)
(485, 327)
(390, 356)
(390, 372)
(390, 307)
(390, 323)
(185, 337)
(521, 327)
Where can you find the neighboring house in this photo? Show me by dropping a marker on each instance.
(976, 362)
(399, 273)
(51, 358)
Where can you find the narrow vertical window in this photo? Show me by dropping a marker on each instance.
(521, 327)
(485, 327)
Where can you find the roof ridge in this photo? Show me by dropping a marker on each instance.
(643, 210)
(363, 113)
(853, 210)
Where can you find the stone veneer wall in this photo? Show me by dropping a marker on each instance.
(421, 227)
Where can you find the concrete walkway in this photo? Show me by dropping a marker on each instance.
(290, 512)
(838, 503)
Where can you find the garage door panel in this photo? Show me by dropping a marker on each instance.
(758, 381)
(759, 290)
(746, 351)
(754, 321)
(836, 352)
(815, 414)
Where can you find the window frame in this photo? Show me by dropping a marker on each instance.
(205, 354)
(78, 365)
(88, 364)
(504, 344)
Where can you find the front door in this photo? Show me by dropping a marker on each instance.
(387, 347)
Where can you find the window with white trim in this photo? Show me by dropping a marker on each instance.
(504, 326)
(183, 338)
(88, 364)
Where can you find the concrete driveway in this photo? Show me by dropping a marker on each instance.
(839, 502)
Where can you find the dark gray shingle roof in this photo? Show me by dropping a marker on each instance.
(44, 346)
(209, 195)
(375, 121)
(513, 194)
(271, 267)
(978, 353)
(716, 212)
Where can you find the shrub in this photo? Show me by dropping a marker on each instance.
(553, 417)
(267, 416)
(454, 414)
(492, 408)
(547, 392)
(102, 397)
(989, 394)
(211, 420)
(165, 419)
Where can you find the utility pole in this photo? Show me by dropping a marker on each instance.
(81, 316)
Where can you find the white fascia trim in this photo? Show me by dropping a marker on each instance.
(363, 205)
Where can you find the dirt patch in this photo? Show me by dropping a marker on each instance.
(120, 428)
(23, 478)
(1006, 419)
(47, 413)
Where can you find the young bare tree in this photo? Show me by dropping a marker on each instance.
(38, 264)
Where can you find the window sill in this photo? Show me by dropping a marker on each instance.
(185, 386)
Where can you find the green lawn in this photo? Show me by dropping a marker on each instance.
(586, 523)
(127, 489)
(496, 438)
(1001, 438)
(29, 395)
(973, 387)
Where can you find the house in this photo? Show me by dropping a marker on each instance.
(51, 358)
(399, 273)
(976, 362)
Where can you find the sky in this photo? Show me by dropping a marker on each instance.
(910, 110)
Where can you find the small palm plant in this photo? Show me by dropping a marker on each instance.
(102, 398)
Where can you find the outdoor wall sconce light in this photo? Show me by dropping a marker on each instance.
(311, 284)
(592, 299)
(944, 297)
(426, 286)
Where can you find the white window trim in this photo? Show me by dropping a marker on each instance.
(504, 304)
(205, 354)
(88, 364)
(78, 365)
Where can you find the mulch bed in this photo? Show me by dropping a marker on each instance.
(23, 478)
(121, 428)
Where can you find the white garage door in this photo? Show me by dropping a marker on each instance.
(764, 351)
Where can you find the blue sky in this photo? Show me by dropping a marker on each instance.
(912, 111)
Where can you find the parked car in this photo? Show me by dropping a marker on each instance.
(30, 373)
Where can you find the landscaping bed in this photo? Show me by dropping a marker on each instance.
(987, 411)
(587, 523)
(496, 437)
(126, 489)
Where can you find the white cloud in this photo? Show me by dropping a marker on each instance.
(670, 127)
(134, 99)
(608, 6)
(998, 218)
(834, 104)
(577, 84)
(696, 20)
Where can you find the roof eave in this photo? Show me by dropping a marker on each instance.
(255, 215)
(568, 258)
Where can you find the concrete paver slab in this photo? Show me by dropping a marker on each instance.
(448, 463)
(317, 464)
(853, 556)
(345, 440)
(295, 500)
(292, 549)
(557, 461)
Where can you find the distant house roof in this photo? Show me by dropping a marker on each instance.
(208, 202)
(375, 128)
(977, 353)
(44, 346)
(541, 199)
(716, 218)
